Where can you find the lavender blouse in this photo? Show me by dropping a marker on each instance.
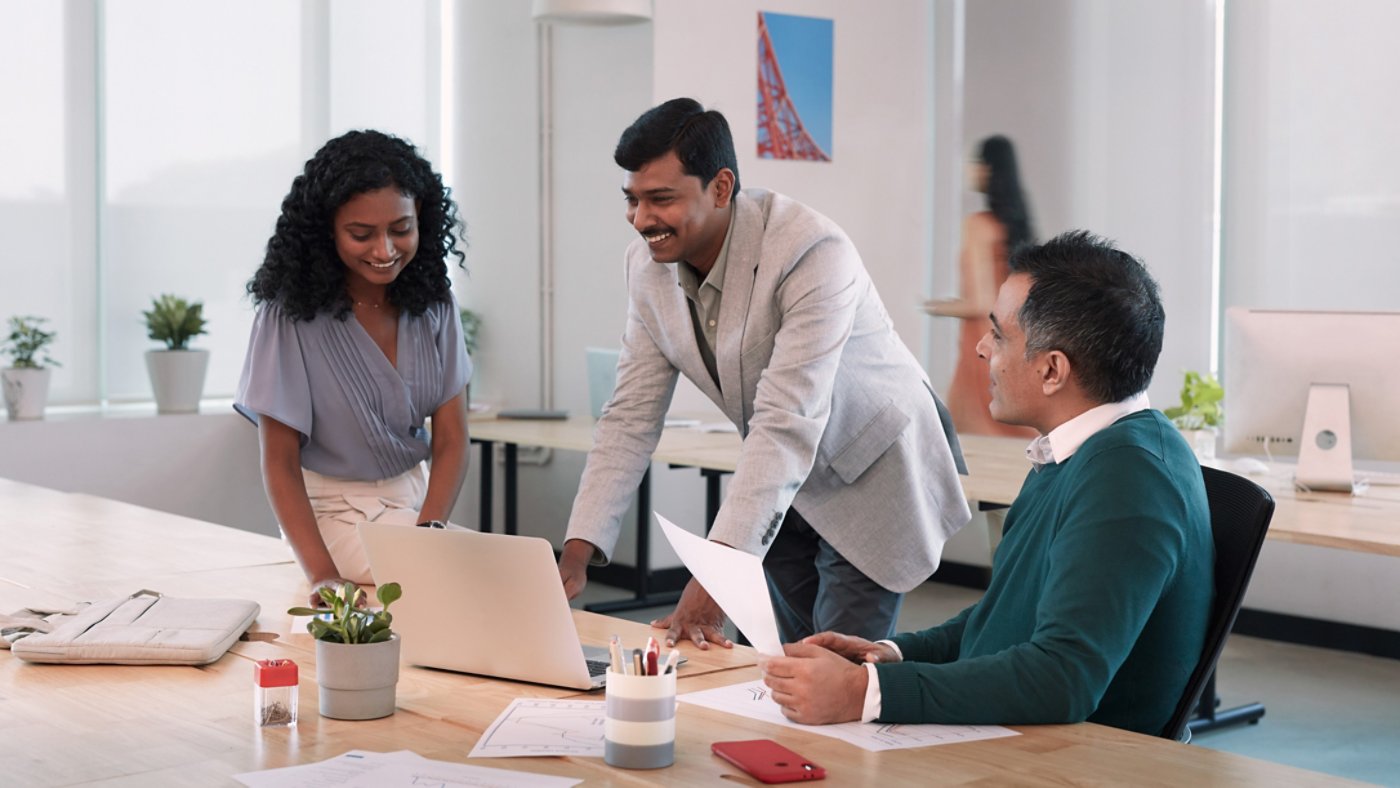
(359, 416)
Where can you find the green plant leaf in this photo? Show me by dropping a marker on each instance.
(304, 611)
(389, 593)
(174, 321)
(27, 343)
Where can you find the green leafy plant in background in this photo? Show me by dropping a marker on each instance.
(471, 324)
(174, 321)
(1202, 403)
(28, 343)
(349, 621)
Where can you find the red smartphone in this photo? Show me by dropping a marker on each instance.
(768, 761)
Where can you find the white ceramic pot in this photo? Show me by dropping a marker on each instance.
(177, 378)
(1202, 442)
(357, 680)
(26, 392)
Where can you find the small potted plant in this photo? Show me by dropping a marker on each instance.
(177, 372)
(357, 654)
(1200, 413)
(26, 380)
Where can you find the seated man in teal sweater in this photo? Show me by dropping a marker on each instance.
(1101, 587)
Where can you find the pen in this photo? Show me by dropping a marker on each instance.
(672, 660)
(637, 668)
(652, 654)
(615, 654)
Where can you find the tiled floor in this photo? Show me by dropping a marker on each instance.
(1329, 711)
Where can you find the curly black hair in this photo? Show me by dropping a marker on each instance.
(302, 272)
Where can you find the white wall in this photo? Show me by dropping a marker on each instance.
(876, 186)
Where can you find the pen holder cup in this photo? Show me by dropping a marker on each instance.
(639, 726)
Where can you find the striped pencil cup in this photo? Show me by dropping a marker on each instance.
(639, 727)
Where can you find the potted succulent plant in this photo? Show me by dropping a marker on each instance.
(177, 372)
(26, 380)
(357, 654)
(1200, 413)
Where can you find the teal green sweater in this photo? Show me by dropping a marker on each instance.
(1098, 603)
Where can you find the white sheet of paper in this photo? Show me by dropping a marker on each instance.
(542, 727)
(366, 769)
(752, 700)
(735, 579)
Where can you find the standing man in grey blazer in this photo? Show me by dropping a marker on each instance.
(847, 479)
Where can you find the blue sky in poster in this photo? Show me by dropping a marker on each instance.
(803, 46)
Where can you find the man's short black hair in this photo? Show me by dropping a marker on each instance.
(1098, 306)
(699, 137)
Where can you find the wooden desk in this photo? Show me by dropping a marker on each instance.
(162, 725)
(1368, 523)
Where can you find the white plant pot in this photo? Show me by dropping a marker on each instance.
(1202, 442)
(357, 680)
(177, 378)
(26, 391)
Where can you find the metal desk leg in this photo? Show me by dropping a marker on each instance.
(642, 596)
(1208, 718)
(712, 496)
(488, 457)
(512, 463)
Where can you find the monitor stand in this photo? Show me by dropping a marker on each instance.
(1324, 451)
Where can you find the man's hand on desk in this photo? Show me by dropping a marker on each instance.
(573, 566)
(816, 686)
(696, 617)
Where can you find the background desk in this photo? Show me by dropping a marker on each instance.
(162, 725)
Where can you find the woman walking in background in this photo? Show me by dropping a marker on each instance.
(988, 236)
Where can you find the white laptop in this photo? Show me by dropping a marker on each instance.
(482, 603)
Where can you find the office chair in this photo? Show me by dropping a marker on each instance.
(1240, 511)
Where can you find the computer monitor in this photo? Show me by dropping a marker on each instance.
(602, 377)
(1336, 371)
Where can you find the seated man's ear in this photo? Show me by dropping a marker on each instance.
(1054, 371)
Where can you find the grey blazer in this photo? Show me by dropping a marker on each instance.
(837, 417)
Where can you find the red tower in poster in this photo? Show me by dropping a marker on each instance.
(781, 134)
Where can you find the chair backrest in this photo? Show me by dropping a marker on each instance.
(1240, 511)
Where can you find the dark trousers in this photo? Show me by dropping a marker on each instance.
(814, 589)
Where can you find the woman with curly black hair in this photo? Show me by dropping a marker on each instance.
(356, 341)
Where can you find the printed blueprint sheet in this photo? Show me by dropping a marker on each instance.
(751, 700)
(540, 727)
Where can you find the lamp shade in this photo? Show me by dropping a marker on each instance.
(592, 12)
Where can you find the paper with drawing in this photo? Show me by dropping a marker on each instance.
(752, 700)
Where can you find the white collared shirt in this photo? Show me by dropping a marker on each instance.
(1058, 446)
(1065, 440)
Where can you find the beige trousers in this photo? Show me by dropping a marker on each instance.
(341, 504)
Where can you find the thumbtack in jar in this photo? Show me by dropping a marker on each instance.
(275, 693)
